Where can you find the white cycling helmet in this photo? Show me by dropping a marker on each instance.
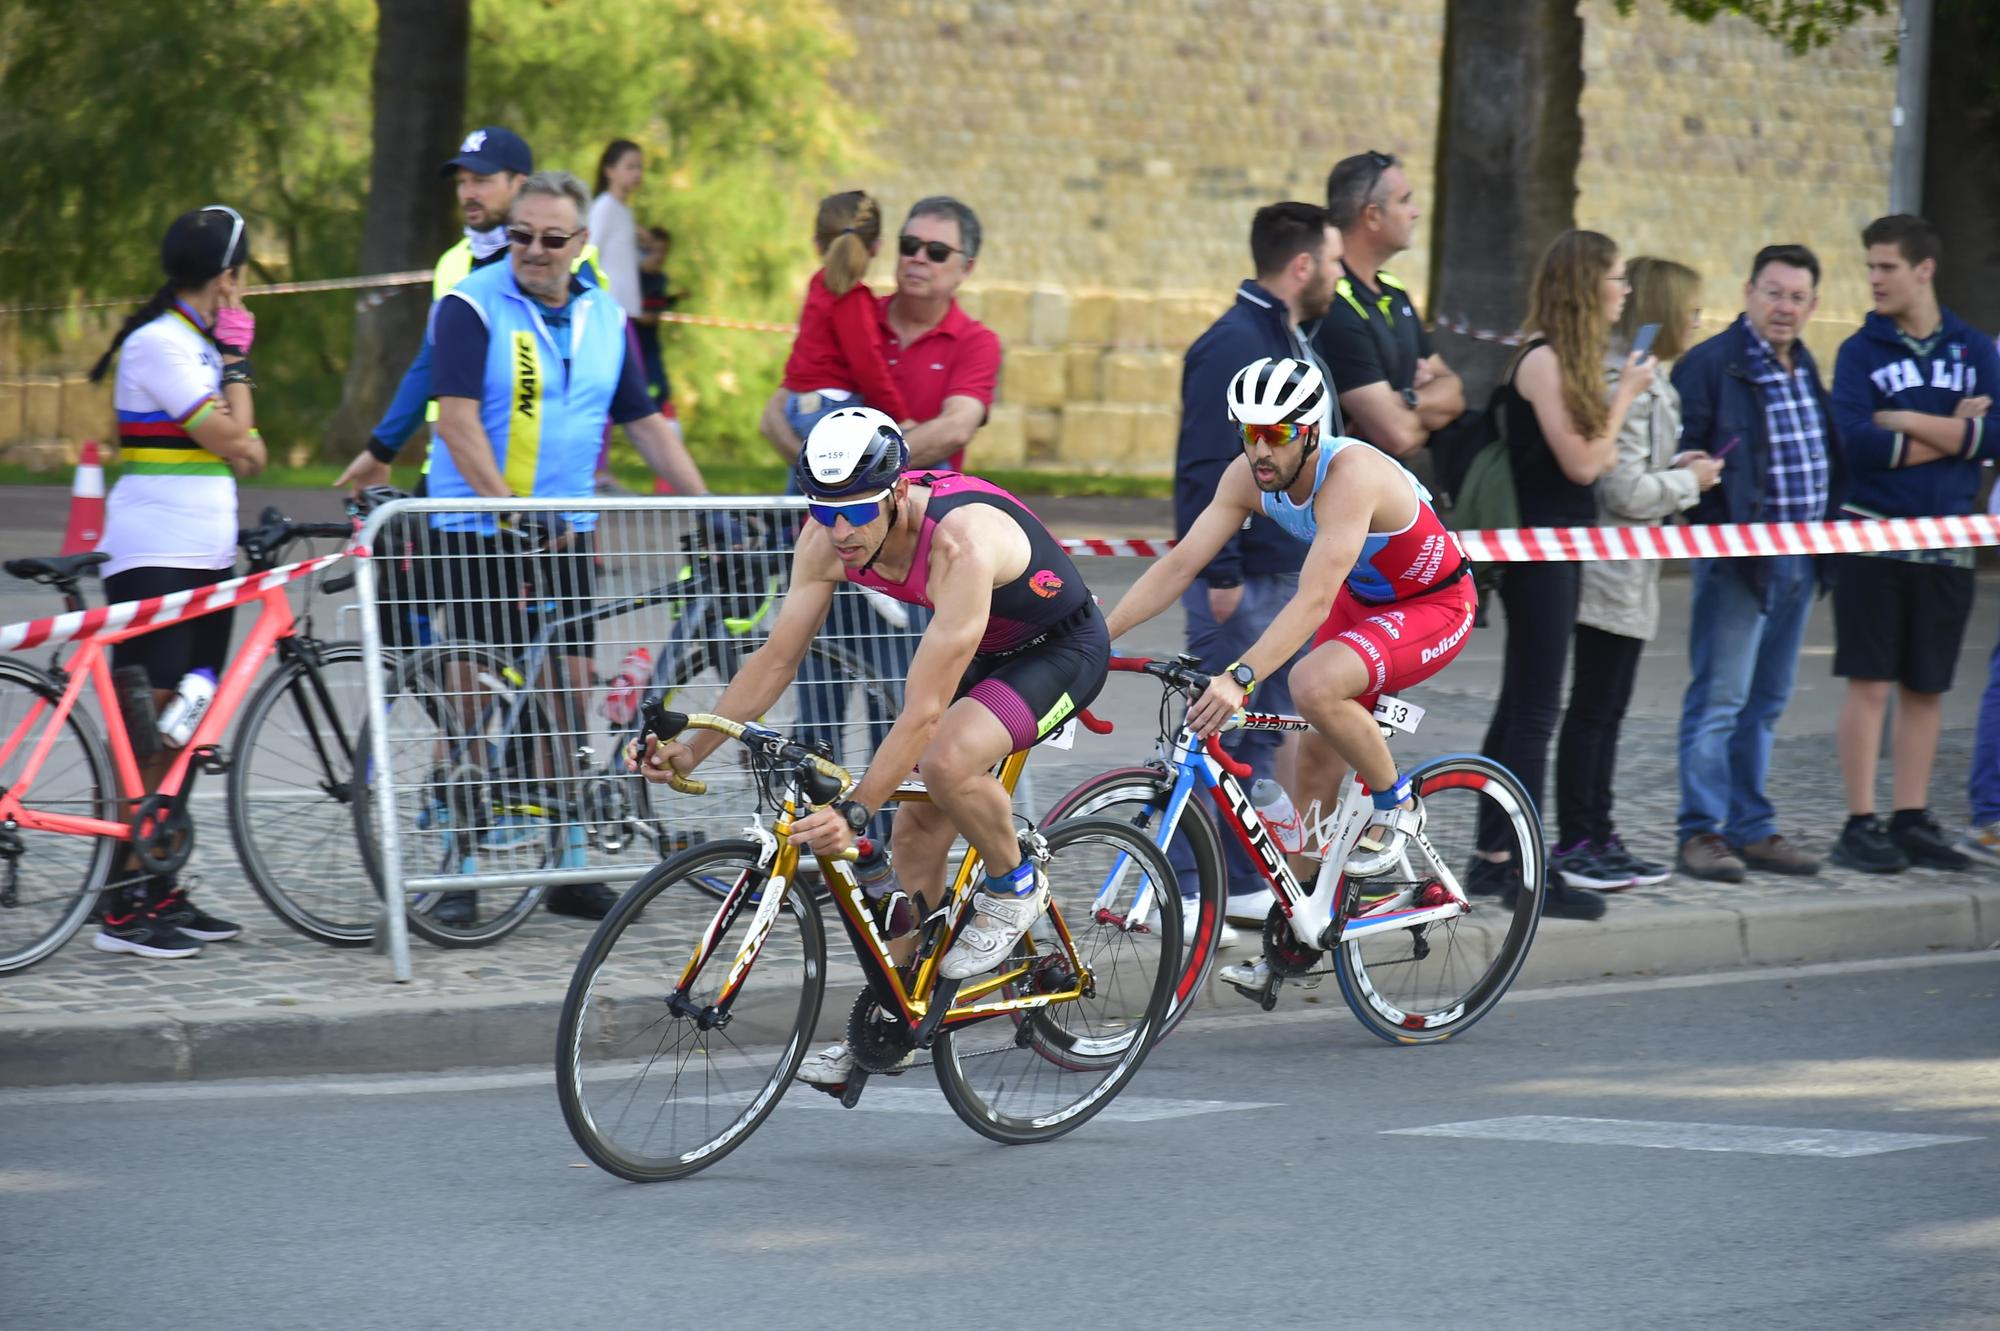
(1280, 391)
(855, 450)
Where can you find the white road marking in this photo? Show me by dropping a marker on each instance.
(1826, 1143)
(1124, 1109)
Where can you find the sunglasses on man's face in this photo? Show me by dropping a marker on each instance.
(858, 512)
(934, 250)
(1275, 437)
(523, 238)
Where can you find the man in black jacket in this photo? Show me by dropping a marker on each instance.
(1295, 251)
(1751, 398)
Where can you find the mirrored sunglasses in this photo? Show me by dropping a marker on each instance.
(1278, 436)
(858, 512)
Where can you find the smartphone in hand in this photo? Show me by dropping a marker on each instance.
(1642, 341)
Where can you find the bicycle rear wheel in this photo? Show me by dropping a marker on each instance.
(291, 788)
(1033, 1076)
(647, 1092)
(1139, 796)
(465, 789)
(1424, 984)
(48, 880)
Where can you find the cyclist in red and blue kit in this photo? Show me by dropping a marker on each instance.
(1016, 647)
(1385, 595)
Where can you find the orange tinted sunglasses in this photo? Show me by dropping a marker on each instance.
(1275, 437)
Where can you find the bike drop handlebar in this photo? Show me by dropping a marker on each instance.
(667, 726)
(1181, 675)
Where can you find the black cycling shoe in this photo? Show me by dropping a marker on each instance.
(1923, 841)
(457, 909)
(1863, 845)
(586, 901)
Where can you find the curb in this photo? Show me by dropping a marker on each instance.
(515, 1027)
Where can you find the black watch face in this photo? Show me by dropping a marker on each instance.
(857, 817)
(1243, 675)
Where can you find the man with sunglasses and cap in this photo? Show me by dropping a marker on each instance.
(1017, 646)
(1385, 594)
(487, 172)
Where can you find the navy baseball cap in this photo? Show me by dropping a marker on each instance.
(492, 148)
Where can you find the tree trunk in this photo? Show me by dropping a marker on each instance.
(1510, 134)
(421, 53)
(1962, 158)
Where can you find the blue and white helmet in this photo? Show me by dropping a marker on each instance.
(855, 450)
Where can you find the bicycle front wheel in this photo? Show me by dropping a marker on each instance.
(49, 880)
(1139, 796)
(647, 1090)
(472, 774)
(1034, 1075)
(291, 792)
(1424, 984)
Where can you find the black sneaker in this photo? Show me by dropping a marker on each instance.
(1644, 873)
(586, 901)
(1924, 842)
(1489, 878)
(457, 909)
(1863, 845)
(1583, 865)
(143, 935)
(180, 913)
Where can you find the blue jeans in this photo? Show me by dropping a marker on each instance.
(1218, 646)
(1983, 783)
(802, 420)
(1744, 657)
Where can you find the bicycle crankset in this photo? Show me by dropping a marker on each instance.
(878, 1041)
(1283, 952)
(162, 835)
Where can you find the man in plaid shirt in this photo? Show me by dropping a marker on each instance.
(1751, 398)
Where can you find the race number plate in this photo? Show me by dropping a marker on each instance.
(1399, 715)
(1063, 736)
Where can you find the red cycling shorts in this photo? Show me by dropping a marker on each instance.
(1404, 642)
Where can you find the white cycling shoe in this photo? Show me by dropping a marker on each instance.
(833, 1065)
(1381, 843)
(1252, 974)
(997, 924)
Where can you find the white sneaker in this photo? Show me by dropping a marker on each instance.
(1250, 907)
(997, 924)
(1381, 843)
(1980, 843)
(1253, 974)
(834, 1065)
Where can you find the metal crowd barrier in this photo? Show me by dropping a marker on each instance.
(508, 646)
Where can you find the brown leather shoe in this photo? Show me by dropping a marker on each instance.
(1709, 856)
(1774, 854)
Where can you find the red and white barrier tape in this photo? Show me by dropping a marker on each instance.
(156, 610)
(1725, 540)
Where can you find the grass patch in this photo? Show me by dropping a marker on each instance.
(725, 477)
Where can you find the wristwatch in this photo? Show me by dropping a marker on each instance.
(1410, 398)
(1245, 677)
(856, 813)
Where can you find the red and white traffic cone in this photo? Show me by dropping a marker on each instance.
(86, 503)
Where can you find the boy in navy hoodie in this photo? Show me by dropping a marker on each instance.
(1912, 395)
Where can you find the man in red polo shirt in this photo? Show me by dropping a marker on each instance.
(944, 362)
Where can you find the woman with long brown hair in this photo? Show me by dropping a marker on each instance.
(1618, 608)
(1561, 436)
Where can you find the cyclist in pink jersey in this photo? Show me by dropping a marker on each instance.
(1017, 646)
(1385, 595)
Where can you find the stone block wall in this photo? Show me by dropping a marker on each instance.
(1115, 154)
(47, 406)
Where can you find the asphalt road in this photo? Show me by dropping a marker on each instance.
(1261, 1170)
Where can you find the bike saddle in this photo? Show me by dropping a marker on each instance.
(56, 568)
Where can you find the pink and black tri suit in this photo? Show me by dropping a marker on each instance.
(1045, 651)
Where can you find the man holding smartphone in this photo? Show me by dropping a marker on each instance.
(1752, 397)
